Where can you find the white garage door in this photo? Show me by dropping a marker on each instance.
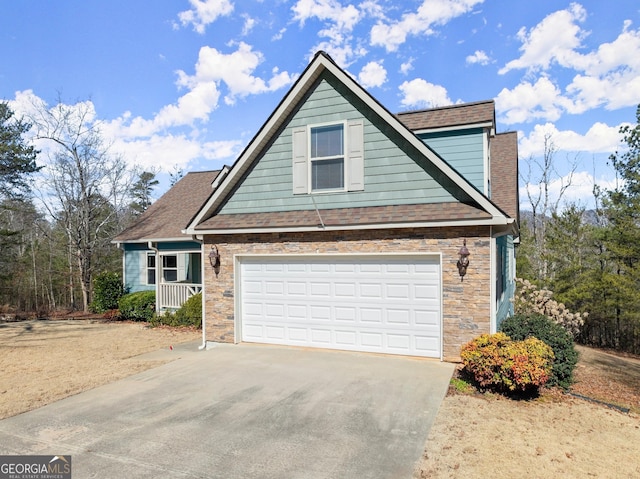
(386, 304)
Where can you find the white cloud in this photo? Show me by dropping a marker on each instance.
(600, 138)
(165, 151)
(608, 76)
(373, 74)
(479, 57)
(204, 12)
(422, 94)
(579, 192)
(249, 23)
(530, 101)
(407, 66)
(339, 23)
(555, 38)
(236, 70)
(429, 14)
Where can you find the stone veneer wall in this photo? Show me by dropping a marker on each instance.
(466, 304)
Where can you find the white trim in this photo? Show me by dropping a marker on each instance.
(467, 126)
(294, 229)
(320, 63)
(204, 296)
(181, 239)
(237, 280)
(486, 160)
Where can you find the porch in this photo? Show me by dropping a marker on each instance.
(173, 295)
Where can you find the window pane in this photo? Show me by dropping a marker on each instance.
(327, 174)
(151, 261)
(170, 274)
(169, 261)
(327, 141)
(151, 276)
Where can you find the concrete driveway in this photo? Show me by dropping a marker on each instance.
(245, 411)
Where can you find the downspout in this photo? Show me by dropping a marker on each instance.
(203, 346)
(158, 269)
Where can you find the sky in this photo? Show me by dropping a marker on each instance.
(185, 84)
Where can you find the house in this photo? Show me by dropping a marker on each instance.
(157, 255)
(341, 225)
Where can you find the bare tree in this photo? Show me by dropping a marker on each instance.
(86, 185)
(539, 178)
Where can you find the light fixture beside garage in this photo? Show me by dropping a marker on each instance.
(463, 260)
(214, 259)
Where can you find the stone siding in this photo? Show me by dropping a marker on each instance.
(466, 304)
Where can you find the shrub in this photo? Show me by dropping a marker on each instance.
(189, 314)
(531, 300)
(140, 306)
(522, 326)
(107, 290)
(497, 362)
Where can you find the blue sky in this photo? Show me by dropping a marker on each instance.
(187, 83)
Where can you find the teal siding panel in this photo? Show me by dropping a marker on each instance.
(463, 150)
(393, 171)
(179, 246)
(133, 269)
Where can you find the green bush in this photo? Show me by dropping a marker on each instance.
(497, 362)
(522, 326)
(107, 290)
(140, 306)
(189, 314)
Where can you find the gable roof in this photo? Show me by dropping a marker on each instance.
(463, 114)
(321, 63)
(166, 218)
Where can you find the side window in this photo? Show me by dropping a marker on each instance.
(151, 268)
(327, 157)
(170, 268)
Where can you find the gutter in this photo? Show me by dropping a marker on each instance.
(151, 246)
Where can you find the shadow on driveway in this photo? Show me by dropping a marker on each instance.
(245, 411)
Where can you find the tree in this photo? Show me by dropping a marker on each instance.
(141, 191)
(17, 159)
(88, 186)
(539, 179)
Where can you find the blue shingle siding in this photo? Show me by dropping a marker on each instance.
(134, 255)
(394, 173)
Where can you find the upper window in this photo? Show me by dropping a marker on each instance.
(327, 157)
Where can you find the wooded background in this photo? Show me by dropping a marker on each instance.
(57, 222)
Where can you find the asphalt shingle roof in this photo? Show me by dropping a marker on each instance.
(170, 214)
(448, 116)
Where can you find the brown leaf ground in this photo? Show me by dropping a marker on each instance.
(43, 361)
(555, 435)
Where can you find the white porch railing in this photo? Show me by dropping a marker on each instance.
(173, 295)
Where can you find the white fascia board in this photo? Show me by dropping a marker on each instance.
(467, 126)
(499, 221)
(155, 240)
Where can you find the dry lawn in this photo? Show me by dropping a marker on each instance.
(473, 436)
(43, 361)
(555, 435)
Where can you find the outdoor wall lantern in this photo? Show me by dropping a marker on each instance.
(214, 259)
(463, 261)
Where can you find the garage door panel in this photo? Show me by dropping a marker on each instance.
(363, 303)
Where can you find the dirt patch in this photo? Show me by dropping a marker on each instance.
(555, 435)
(43, 361)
